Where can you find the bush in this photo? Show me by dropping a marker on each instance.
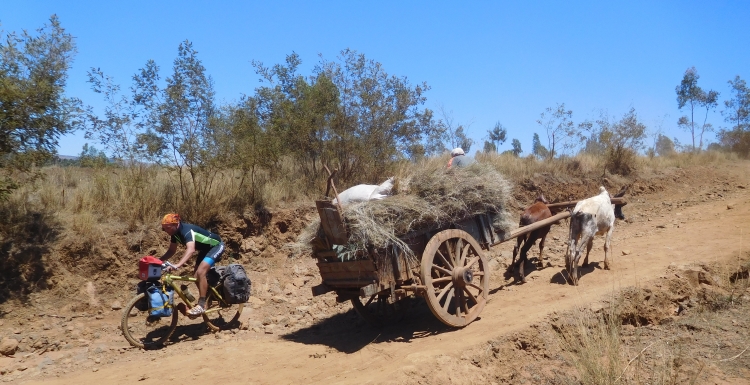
(620, 160)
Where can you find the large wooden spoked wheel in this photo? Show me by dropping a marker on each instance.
(455, 277)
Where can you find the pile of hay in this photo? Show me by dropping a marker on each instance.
(429, 197)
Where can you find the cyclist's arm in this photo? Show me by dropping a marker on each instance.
(189, 250)
(170, 252)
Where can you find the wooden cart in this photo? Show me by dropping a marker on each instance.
(451, 275)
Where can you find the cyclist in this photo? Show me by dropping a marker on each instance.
(208, 245)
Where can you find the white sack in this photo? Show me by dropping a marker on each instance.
(365, 192)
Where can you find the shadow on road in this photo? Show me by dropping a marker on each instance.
(561, 278)
(348, 333)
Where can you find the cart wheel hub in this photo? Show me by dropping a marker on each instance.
(462, 276)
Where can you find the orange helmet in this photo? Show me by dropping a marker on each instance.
(171, 219)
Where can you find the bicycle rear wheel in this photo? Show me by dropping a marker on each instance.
(221, 316)
(144, 331)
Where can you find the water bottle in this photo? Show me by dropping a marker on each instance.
(187, 293)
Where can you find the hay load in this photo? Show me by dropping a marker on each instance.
(429, 197)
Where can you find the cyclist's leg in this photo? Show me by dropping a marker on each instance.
(203, 263)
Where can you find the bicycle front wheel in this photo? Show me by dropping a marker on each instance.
(219, 317)
(144, 331)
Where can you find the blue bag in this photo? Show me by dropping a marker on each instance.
(160, 302)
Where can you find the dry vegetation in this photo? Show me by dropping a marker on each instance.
(75, 211)
(426, 198)
(674, 332)
(612, 346)
(687, 328)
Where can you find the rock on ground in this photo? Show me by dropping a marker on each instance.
(8, 346)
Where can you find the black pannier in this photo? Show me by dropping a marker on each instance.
(236, 284)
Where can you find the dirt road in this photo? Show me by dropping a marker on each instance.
(680, 228)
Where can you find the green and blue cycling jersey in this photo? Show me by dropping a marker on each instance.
(208, 245)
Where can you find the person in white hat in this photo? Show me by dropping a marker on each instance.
(459, 158)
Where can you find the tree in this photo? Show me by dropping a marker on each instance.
(454, 132)
(435, 136)
(462, 140)
(664, 146)
(91, 157)
(593, 145)
(297, 114)
(34, 112)
(691, 95)
(709, 101)
(497, 135)
(621, 140)
(558, 124)
(489, 147)
(537, 148)
(736, 140)
(379, 119)
(243, 144)
(118, 129)
(516, 144)
(737, 111)
(178, 118)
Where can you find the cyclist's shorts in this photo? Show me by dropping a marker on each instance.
(212, 256)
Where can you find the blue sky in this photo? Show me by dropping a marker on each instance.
(485, 61)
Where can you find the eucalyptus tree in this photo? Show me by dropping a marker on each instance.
(34, 111)
(737, 113)
(178, 122)
(497, 136)
(690, 95)
(537, 148)
(516, 144)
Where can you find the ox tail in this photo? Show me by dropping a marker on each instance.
(577, 221)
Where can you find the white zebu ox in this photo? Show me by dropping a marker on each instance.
(590, 217)
(365, 192)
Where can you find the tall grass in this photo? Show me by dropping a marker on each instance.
(519, 168)
(595, 343)
(592, 345)
(684, 160)
(141, 194)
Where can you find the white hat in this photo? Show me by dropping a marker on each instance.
(457, 151)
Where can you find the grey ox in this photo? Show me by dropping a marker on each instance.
(590, 217)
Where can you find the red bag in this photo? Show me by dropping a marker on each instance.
(149, 268)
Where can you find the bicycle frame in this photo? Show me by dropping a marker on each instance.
(171, 280)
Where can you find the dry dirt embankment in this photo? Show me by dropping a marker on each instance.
(296, 339)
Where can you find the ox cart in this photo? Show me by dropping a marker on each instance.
(452, 273)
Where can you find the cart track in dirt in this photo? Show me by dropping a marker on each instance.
(337, 351)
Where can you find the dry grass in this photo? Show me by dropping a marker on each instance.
(517, 168)
(427, 197)
(600, 350)
(591, 344)
(140, 194)
(684, 160)
(601, 353)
